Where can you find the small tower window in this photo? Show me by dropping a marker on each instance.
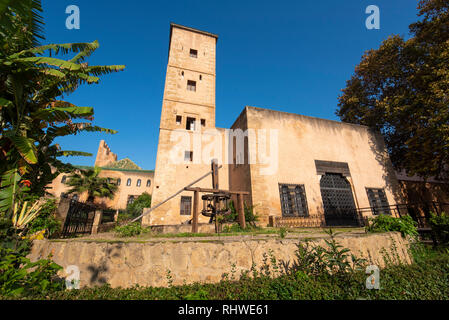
(64, 178)
(188, 156)
(178, 120)
(128, 182)
(191, 85)
(203, 122)
(138, 182)
(193, 53)
(201, 77)
(190, 124)
(119, 181)
(148, 182)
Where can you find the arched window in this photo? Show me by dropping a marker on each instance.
(138, 182)
(64, 178)
(128, 182)
(119, 181)
(148, 182)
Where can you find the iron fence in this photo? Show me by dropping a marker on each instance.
(79, 220)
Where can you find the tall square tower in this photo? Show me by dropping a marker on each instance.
(188, 109)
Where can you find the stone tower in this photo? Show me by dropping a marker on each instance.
(104, 155)
(188, 110)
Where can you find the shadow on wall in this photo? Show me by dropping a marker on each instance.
(99, 270)
(377, 145)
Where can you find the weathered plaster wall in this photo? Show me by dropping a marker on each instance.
(301, 141)
(146, 264)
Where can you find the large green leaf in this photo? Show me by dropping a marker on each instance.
(63, 113)
(25, 147)
(56, 49)
(8, 187)
(62, 64)
(67, 153)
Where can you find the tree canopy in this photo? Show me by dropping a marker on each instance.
(89, 181)
(402, 90)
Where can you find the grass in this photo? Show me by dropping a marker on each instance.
(268, 231)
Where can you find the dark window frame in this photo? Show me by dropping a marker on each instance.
(185, 211)
(148, 183)
(378, 201)
(191, 85)
(188, 158)
(190, 124)
(128, 182)
(138, 183)
(293, 200)
(193, 53)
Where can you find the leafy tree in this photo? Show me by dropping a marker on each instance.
(143, 201)
(33, 78)
(401, 90)
(89, 181)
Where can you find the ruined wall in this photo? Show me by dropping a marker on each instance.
(146, 264)
(104, 155)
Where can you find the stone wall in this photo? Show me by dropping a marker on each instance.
(125, 264)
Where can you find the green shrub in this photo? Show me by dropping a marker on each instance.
(19, 276)
(383, 223)
(440, 227)
(423, 280)
(46, 220)
(131, 229)
(250, 217)
(235, 227)
(282, 232)
(135, 209)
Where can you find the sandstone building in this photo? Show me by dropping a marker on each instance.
(132, 180)
(298, 170)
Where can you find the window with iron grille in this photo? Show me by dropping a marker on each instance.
(293, 200)
(186, 206)
(378, 201)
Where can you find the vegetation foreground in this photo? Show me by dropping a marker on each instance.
(306, 278)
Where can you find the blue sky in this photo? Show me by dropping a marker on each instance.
(292, 56)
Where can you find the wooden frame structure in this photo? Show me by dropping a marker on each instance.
(215, 190)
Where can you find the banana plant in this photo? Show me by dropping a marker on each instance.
(33, 78)
(23, 214)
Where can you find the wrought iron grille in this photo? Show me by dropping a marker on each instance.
(338, 202)
(293, 200)
(378, 201)
(79, 220)
(186, 205)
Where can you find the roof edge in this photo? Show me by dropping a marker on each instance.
(172, 24)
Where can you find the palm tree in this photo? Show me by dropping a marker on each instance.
(90, 182)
